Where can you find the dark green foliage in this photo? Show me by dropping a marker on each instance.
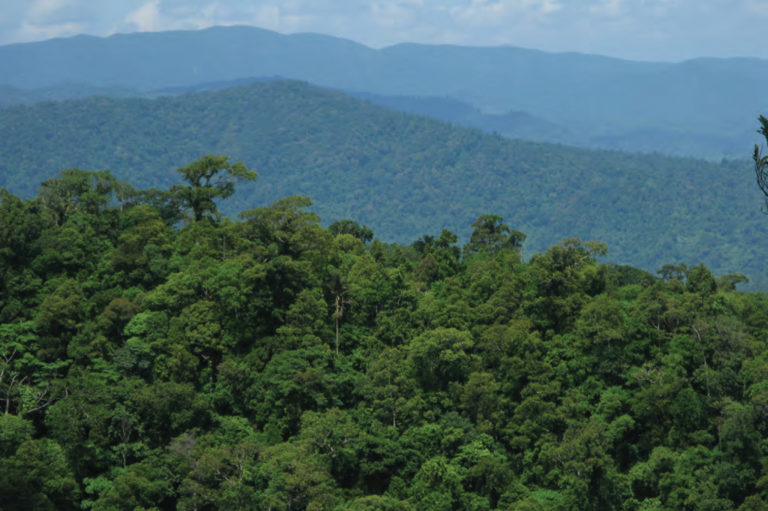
(362, 232)
(269, 363)
(491, 235)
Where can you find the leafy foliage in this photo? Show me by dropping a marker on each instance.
(269, 362)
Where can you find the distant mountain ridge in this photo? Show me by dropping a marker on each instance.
(703, 107)
(401, 174)
(12, 95)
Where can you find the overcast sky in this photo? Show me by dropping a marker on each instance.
(634, 29)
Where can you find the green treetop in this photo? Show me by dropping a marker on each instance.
(210, 177)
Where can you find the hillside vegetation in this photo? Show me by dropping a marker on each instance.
(702, 107)
(401, 174)
(154, 355)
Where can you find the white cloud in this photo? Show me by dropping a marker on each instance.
(480, 12)
(495, 12)
(267, 16)
(550, 6)
(45, 8)
(32, 32)
(394, 14)
(146, 17)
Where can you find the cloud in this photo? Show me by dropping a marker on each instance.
(146, 17)
(550, 6)
(285, 16)
(267, 16)
(33, 32)
(394, 14)
(45, 8)
(494, 12)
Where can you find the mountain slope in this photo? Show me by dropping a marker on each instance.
(403, 175)
(513, 124)
(701, 107)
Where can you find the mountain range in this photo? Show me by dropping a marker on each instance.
(704, 107)
(404, 175)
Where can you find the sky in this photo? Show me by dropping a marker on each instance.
(669, 30)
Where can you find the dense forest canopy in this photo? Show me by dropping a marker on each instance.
(402, 175)
(156, 358)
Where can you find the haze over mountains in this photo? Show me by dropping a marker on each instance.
(177, 95)
(703, 107)
(403, 175)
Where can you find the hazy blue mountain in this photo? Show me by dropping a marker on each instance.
(404, 175)
(13, 95)
(156, 60)
(514, 124)
(701, 107)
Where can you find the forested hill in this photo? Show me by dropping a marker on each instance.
(401, 174)
(269, 363)
(698, 107)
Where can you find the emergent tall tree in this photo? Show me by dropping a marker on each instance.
(210, 177)
(761, 161)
